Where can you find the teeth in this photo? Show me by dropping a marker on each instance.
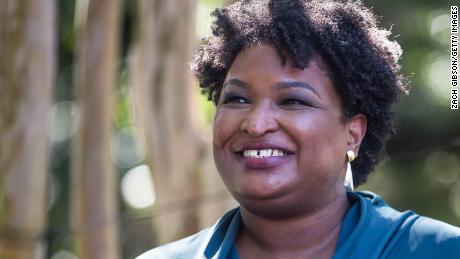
(263, 153)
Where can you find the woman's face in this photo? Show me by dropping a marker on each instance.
(278, 138)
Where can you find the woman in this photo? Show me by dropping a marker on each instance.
(303, 90)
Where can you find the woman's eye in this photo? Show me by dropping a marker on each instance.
(291, 101)
(234, 99)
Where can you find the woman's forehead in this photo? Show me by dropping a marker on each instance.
(263, 63)
(259, 69)
(266, 54)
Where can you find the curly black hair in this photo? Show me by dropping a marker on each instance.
(361, 59)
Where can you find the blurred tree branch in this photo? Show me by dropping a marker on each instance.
(94, 179)
(27, 71)
(162, 91)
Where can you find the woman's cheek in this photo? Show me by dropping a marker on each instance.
(217, 127)
(223, 127)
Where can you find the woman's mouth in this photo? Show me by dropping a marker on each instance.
(263, 153)
(263, 158)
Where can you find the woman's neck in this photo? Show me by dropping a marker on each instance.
(310, 236)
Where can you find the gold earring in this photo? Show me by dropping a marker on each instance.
(351, 155)
(349, 175)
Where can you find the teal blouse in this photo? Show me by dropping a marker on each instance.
(371, 229)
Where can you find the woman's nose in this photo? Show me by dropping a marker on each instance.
(259, 121)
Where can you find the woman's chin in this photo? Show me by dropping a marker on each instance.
(257, 195)
(274, 205)
(260, 190)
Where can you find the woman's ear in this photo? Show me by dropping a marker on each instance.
(356, 127)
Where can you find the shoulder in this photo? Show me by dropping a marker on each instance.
(208, 240)
(430, 238)
(180, 249)
(435, 229)
(409, 234)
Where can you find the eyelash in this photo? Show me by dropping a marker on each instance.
(294, 101)
(286, 101)
(233, 98)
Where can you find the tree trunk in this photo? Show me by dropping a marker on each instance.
(94, 179)
(27, 70)
(189, 191)
(162, 91)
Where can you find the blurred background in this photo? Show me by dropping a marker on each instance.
(105, 138)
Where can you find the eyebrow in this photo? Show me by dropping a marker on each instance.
(295, 84)
(236, 82)
(276, 86)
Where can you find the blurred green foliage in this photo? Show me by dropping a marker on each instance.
(425, 123)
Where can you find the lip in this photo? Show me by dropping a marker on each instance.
(265, 162)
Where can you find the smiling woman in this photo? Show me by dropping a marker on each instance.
(301, 89)
(297, 112)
